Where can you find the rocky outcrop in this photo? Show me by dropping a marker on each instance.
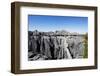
(54, 45)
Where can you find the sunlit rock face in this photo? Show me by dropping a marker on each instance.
(54, 45)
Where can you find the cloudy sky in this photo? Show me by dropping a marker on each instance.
(52, 23)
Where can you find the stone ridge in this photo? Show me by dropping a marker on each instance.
(62, 32)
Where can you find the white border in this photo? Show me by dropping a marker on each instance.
(25, 64)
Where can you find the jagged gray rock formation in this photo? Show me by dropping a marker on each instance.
(54, 45)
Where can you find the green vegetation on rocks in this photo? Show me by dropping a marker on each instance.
(85, 46)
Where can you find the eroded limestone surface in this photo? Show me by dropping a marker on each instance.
(53, 46)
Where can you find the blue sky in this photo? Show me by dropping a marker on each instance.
(52, 23)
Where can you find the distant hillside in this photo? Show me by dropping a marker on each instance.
(59, 33)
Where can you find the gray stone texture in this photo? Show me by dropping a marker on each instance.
(54, 45)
